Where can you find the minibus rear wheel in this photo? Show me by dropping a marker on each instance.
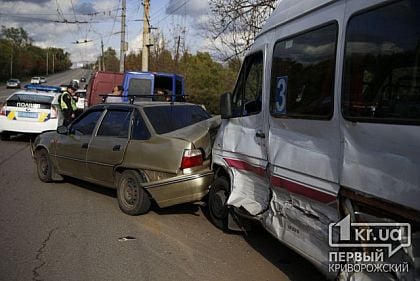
(218, 195)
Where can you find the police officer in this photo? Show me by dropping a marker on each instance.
(68, 104)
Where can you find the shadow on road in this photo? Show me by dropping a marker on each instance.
(187, 208)
(285, 259)
(289, 262)
(21, 138)
(92, 187)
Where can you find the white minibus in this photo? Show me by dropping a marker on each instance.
(320, 139)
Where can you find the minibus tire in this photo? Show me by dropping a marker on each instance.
(218, 195)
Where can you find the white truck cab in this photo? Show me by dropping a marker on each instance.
(324, 123)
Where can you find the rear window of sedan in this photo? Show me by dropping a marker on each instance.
(35, 98)
(165, 119)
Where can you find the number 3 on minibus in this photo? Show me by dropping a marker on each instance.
(281, 93)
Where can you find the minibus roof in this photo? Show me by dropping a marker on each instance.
(288, 10)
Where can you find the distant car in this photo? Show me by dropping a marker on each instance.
(29, 112)
(81, 97)
(63, 87)
(83, 79)
(42, 80)
(13, 83)
(157, 151)
(36, 80)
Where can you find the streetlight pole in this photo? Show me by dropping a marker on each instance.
(145, 50)
(122, 44)
(11, 58)
(46, 72)
(103, 59)
(11, 64)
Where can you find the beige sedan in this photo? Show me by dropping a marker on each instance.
(157, 151)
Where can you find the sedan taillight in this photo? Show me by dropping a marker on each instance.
(191, 158)
(54, 112)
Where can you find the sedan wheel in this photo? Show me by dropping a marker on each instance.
(132, 198)
(5, 136)
(44, 166)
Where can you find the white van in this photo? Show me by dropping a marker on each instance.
(324, 123)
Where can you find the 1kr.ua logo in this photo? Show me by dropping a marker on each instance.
(392, 236)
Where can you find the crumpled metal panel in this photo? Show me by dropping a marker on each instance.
(249, 191)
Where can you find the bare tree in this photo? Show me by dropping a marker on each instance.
(235, 23)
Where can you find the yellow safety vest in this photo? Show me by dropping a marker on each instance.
(64, 105)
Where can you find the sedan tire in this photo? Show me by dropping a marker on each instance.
(132, 198)
(44, 166)
(5, 136)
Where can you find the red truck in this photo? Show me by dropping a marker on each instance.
(101, 83)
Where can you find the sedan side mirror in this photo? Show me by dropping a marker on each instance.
(63, 130)
(226, 106)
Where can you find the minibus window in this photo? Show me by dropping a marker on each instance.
(247, 96)
(302, 76)
(381, 80)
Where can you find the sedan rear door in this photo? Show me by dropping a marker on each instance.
(106, 150)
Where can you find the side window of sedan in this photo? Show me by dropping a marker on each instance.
(140, 131)
(116, 123)
(86, 124)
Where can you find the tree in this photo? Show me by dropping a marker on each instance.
(133, 61)
(19, 58)
(112, 63)
(18, 36)
(206, 80)
(235, 23)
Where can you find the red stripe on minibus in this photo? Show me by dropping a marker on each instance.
(300, 189)
(242, 165)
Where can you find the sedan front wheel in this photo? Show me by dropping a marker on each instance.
(44, 165)
(132, 198)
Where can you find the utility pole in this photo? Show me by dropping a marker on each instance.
(122, 45)
(11, 64)
(146, 31)
(46, 72)
(103, 59)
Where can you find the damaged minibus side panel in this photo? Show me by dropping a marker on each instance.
(303, 144)
(240, 144)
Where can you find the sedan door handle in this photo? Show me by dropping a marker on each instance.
(85, 145)
(260, 134)
(116, 147)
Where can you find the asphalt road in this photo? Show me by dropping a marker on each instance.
(52, 80)
(75, 231)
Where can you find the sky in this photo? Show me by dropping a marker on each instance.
(63, 23)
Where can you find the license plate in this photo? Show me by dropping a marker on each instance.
(27, 114)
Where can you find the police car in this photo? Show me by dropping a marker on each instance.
(31, 111)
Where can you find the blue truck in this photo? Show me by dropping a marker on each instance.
(157, 86)
(154, 85)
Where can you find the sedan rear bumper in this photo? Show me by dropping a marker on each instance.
(180, 189)
(19, 126)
